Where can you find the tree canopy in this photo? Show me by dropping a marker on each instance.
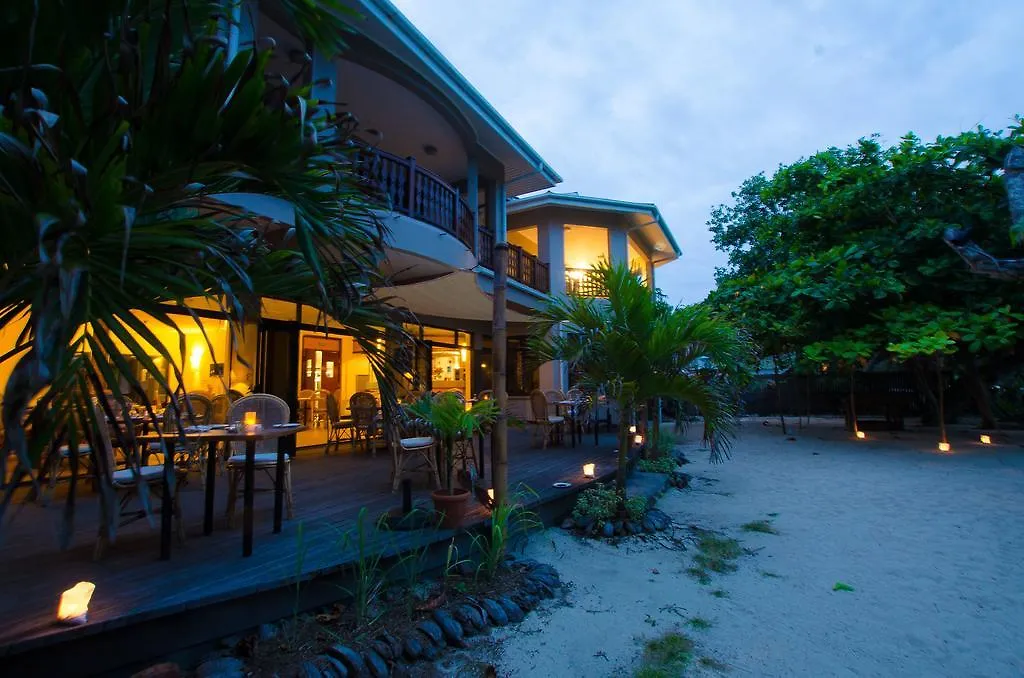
(840, 257)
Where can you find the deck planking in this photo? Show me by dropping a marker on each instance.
(134, 585)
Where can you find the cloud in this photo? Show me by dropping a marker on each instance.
(677, 103)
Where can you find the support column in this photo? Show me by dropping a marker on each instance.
(324, 76)
(473, 198)
(499, 446)
(242, 29)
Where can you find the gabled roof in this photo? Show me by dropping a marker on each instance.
(525, 170)
(644, 215)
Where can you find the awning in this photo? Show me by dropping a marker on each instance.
(455, 295)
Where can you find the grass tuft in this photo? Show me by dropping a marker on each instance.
(720, 593)
(840, 586)
(699, 623)
(666, 656)
(762, 526)
(712, 663)
(770, 575)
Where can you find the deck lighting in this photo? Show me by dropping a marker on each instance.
(632, 429)
(638, 439)
(589, 470)
(860, 435)
(945, 447)
(74, 603)
(986, 439)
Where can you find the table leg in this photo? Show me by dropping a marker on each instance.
(279, 487)
(167, 501)
(250, 480)
(211, 478)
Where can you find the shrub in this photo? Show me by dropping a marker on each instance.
(665, 464)
(598, 502)
(636, 508)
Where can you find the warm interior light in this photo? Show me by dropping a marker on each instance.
(490, 494)
(74, 603)
(944, 447)
(632, 429)
(860, 435)
(576, 274)
(250, 419)
(589, 470)
(638, 439)
(464, 354)
(986, 439)
(483, 366)
(196, 357)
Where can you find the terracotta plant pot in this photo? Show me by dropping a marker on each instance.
(452, 506)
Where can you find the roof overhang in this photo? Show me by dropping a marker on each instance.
(384, 24)
(643, 217)
(456, 295)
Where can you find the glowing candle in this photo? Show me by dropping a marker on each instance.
(74, 603)
(944, 447)
(638, 439)
(632, 429)
(250, 419)
(860, 435)
(986, 439)
(490, 494)
(589, 470)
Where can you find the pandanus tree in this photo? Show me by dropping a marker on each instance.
(634, 348)
(130, 141)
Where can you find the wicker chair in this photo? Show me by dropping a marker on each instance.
(337, 425)
(126, 484)
(486, 394)
(219, 406)
(406, 447)
(269, 410)
(363, 407)
(544, 423)
(305, 405)
(195, 410)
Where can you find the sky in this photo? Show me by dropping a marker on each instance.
(676, 102)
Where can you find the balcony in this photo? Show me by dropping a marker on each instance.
(522, 266)
(416, 192)
(581, 282)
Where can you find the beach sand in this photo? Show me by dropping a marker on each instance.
(932, 544)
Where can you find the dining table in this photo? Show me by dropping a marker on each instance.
(214, 435)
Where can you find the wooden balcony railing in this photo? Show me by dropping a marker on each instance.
(416, 192)
(522, 266)
(582, 282)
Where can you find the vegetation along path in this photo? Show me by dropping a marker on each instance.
(820, 556)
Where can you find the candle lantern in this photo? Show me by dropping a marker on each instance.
(860, 435)
(589, 470)
(986, 439)
(74, 603)
(945, 447)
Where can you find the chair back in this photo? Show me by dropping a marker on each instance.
(554, 396)
(319, 400)
(104, 456)
(305, 393)
(333, 411)
(455, 392)
(363, 407)
(200, 415)
(219, 406)
(538, 405)
(486, 394)
(576, 395)
(269, 410)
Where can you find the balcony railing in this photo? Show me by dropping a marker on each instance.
(522, 266)
(416, 192)
(582, 282)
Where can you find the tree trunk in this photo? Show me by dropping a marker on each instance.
(677, 428)
(942, 402)
(623, 458)
(778, 393)
(921, 377)
(979, 391)
(853, 402)
(499, 444)
(656, 424)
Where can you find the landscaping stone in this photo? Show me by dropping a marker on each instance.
(221, 667)
(545, 591)
(430, 652)
(164, 670)
(659, 519)
(383, 649)
(332, 667)
(633, 528)
(375, 663)
(514, 612)
(585, 524)
(412, 647)
(526, 601)
(431, 631)
(392, 642)
(352, 660)
(267, 632)
(470, 617)
(619, 527)
(310, 670)
(452, 629)
(495, 612)
(647, 524)
(608, 530)
(568, 524)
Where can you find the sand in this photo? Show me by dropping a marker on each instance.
(932, 544)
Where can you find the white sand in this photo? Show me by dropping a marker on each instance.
(933, 545)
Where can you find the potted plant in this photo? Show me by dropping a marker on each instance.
(451, 421)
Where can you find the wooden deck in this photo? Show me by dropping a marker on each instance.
(133, 585)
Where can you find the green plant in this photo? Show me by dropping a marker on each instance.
(636, 508)
(699, 623)
(666, 656)
(762, 526)
(840, 586)
(719, 593)
(447, 416)
(600, 502)
(715, 554)
(367, 574)
(663, 464)
(507, 521)
(713, 664)
(770, 575)
(126, 126)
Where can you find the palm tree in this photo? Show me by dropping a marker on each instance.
(125, 129)
(634, 348)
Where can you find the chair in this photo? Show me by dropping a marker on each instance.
(486, 394)
(363, 407)
(126, 484)
(408, 448)
(543, 422)
(305, 404)
(318, 406)
(269, 410)
(195, 409)
(336, 424)
(219, 406)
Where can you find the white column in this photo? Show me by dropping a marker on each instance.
(618, 247)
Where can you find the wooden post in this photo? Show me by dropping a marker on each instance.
(499, 340)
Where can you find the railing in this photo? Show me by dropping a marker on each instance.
(522, 266)
(582, 282)
(416, 192)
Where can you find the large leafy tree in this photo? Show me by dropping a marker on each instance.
(126, 136)
(633, 348)
(845, 248)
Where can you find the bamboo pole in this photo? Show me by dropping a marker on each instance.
(499, 441)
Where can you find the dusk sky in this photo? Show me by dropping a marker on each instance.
(676, 103)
